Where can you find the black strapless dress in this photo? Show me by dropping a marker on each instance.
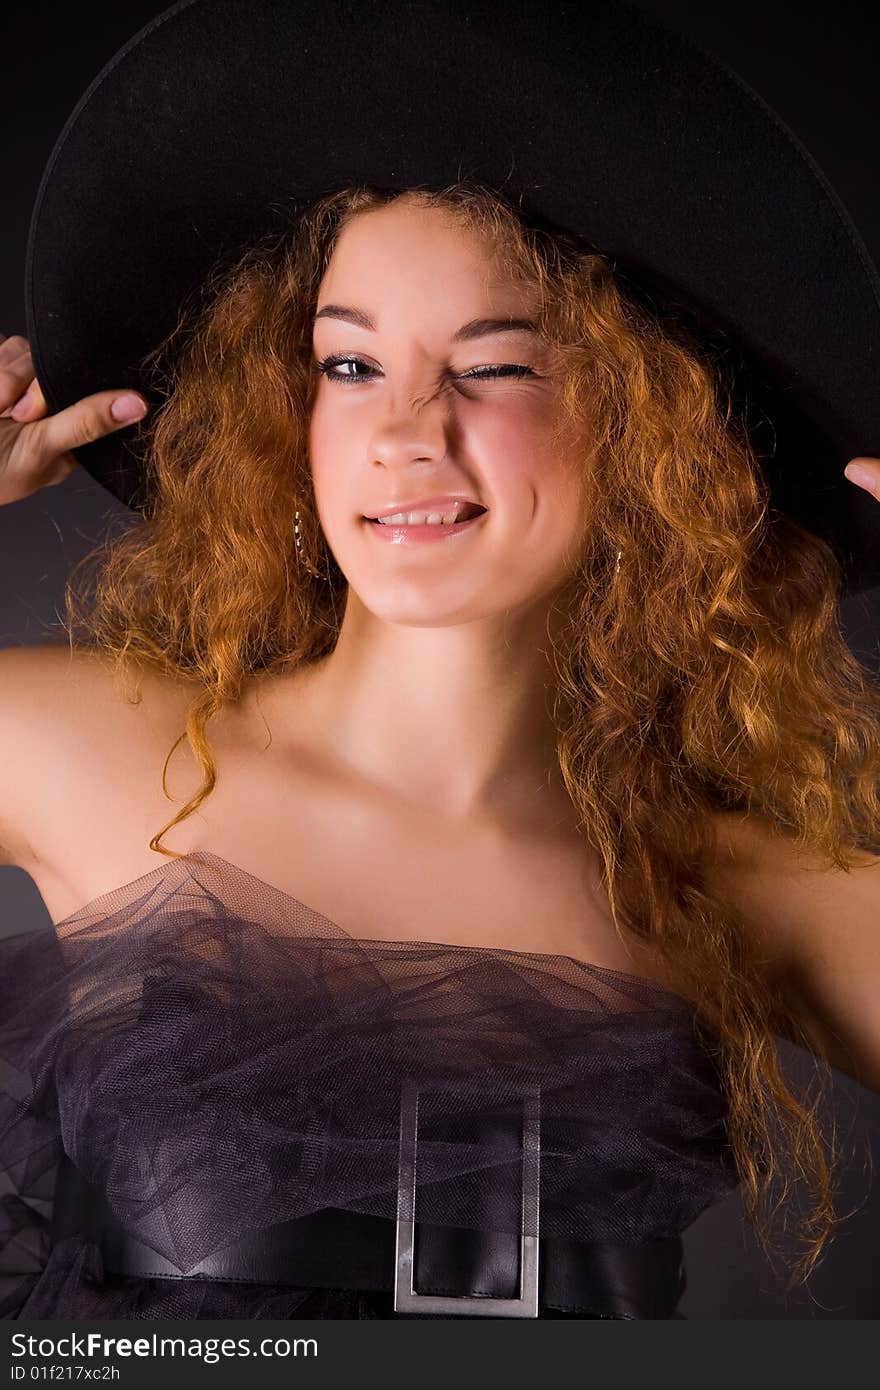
(216, 1103)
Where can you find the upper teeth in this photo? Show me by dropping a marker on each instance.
(420, 518)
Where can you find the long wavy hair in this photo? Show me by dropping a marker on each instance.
(707, 675)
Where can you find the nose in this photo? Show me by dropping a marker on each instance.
(416, 432)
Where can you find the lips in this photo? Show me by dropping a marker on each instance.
(400, 535)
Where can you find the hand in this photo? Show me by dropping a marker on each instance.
(35, 445)
(865, 473)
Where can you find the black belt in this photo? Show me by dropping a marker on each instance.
(432, 1270)
(346, 1250)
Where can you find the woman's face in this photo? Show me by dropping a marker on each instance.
(406, 418)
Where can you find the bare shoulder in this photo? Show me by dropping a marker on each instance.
(66, 725)
(763, 869)
(818, 925)
(758, 868)
(31, 704)
(752, 846)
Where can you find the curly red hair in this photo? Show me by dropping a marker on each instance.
(708, 676)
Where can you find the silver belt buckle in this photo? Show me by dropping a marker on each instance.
(406, 1299)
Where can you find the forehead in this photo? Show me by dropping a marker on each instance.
(403, 241)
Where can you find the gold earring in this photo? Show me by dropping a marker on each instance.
(617, 566)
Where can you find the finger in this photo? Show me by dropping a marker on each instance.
(865, 473)
(31, 405)
(16, 372)
(81, 423)
(13, 345)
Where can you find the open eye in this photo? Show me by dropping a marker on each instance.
(327, 364)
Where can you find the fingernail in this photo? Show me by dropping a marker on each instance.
(858, 474)
(127, 408)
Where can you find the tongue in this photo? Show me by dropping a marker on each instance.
(470, 510)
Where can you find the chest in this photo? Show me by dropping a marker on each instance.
(400, 873)
(377, 867)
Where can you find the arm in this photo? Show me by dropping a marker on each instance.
(21, 672)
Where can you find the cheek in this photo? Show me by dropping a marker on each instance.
(511, 442)
(320, 433)
(325, 448)
(530, 464)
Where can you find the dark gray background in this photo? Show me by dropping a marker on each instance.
(817, 65)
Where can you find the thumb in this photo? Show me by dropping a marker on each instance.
(87, 420)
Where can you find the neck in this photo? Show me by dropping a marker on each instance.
(457, 719)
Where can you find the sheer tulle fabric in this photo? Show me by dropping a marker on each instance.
(216, 1057)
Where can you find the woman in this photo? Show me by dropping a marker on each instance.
(569, 720)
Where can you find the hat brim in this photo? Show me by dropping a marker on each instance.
(221, 119)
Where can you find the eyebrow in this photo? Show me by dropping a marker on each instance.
(475, 328)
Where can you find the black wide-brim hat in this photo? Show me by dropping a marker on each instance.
(220, 120)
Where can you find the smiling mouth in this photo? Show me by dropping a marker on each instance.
(424, 532)
(424, 525)
(469, 512)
